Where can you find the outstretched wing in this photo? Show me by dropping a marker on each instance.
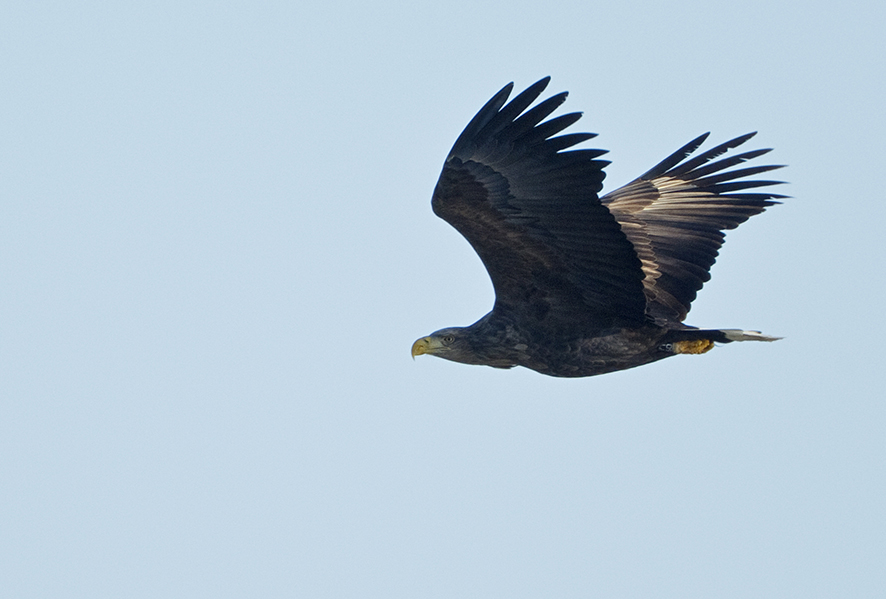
(675, 216)
(530, 210)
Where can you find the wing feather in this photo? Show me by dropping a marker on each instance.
(529, 207)
(675, 215)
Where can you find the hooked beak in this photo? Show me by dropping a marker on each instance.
(422, 346)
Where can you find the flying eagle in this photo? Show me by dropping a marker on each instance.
(584, 284)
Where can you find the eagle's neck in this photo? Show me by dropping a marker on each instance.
(495, 341)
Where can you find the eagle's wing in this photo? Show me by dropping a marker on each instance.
(675, 216)
(555, 254)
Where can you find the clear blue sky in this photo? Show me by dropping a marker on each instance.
(216, 248)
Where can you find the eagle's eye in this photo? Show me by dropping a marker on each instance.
(447, 339)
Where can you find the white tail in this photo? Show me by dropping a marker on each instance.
(739, 335)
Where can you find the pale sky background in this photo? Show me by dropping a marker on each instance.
(217, 246)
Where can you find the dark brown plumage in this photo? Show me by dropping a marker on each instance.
(585, 285)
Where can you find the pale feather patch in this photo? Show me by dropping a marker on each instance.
(739, 335)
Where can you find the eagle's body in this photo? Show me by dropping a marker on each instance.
(584, 285)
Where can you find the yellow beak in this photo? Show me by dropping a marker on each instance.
(422, 346)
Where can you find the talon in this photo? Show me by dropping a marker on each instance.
(694, 346)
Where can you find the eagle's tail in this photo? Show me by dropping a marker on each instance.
(730, 335)
(699, 341)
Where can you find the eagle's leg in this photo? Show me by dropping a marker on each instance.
(693, 346)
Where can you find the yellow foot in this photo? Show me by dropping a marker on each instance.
(695, 346)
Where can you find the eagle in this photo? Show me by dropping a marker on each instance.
(584, 284)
